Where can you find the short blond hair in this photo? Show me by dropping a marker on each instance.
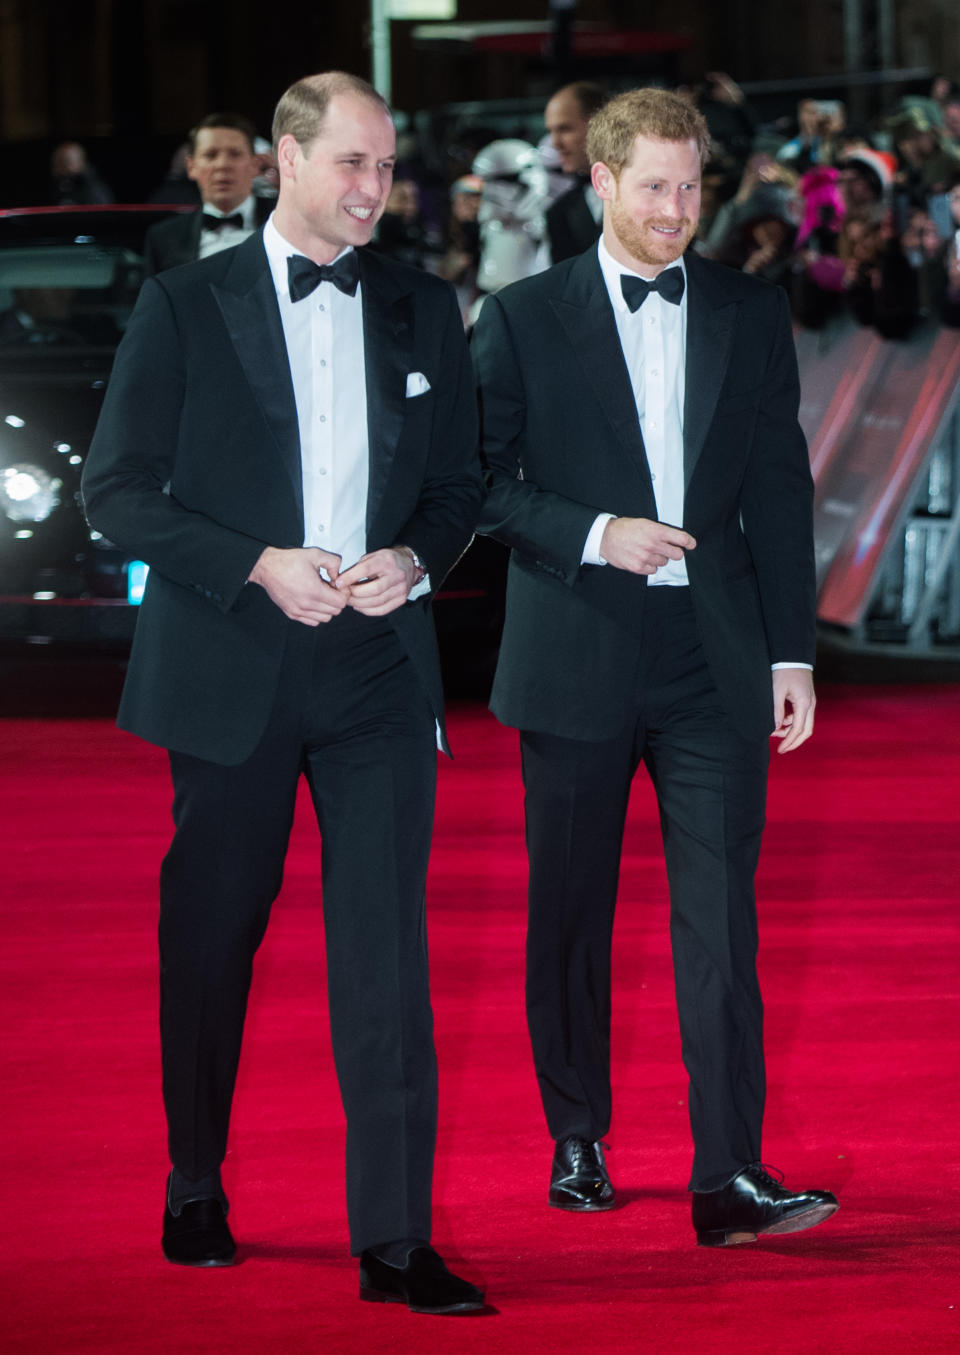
(303, 107)
(656, 113)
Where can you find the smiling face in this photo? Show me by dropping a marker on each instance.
(334, 189)
(650, 212)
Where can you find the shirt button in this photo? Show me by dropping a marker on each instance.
(654, 371)
(321, 528)
(321, 307)
(323, 362)
(323, 470)
(323, 418)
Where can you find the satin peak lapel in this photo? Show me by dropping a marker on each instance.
(711, 313)
(248, 303)
(388, 340)
(586, 315)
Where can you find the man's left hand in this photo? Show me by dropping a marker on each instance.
(793, 705)
(379, 582)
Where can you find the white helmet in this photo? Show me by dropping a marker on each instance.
(515, 184)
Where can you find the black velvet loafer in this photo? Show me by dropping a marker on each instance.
(754, 1204)
(579, 1179)
(424, 1284)
(198, 1235)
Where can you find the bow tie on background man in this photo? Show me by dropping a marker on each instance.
(669, 284)
(303, 275)
(217, 223)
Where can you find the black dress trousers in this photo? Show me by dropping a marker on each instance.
(711, 790)
(351, 715)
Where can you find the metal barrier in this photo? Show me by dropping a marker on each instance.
(883, 423)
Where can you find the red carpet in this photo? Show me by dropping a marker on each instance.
(861, 976)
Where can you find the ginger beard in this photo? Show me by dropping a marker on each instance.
(652, 208)
(656, 240)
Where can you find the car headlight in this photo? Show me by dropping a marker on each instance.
(28, 493)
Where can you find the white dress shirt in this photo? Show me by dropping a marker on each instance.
(211, 242)
(329, 386)
(654, 343)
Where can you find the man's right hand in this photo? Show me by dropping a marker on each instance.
(641, 546)
(292, 580)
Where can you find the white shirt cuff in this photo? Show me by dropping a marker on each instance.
(591, 547)
(807, 666)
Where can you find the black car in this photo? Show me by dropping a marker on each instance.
(69, 278)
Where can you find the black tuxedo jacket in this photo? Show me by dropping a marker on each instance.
(571, 227)
(195, 467)
(177, 240)
(562, 442)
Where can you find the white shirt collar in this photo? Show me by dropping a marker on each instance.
(247, 210)
(613, 271)
(278, 252)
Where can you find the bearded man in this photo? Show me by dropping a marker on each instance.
(646, 467)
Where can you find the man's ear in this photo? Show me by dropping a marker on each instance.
(604, 181)
(288, 153)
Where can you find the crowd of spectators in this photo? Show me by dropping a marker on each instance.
(848, 218)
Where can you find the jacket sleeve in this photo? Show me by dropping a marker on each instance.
(441, 526)
(127, 475)
(776, 503)
(547, 529)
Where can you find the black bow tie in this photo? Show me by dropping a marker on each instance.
(303, 275)
(669, 284)
(217, 223)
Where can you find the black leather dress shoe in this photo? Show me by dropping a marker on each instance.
(424, 1284)
(198, 1235)
(754, 1204)
(579, 1179)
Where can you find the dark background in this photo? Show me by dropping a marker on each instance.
(128, 77)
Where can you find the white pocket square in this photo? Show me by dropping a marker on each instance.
(417, 384)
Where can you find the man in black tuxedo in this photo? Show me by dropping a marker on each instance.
(645, 465)
(222, 162)
(574, 220)
(289, 441)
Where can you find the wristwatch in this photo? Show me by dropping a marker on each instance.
(420, 569)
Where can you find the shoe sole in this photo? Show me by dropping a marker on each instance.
(796, 1223)
(214, 1263)
(574, 1208)
(450, 1310)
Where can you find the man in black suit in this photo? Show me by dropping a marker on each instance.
(574, 220)
(288, 440)
(222, 162)
(646, 467)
